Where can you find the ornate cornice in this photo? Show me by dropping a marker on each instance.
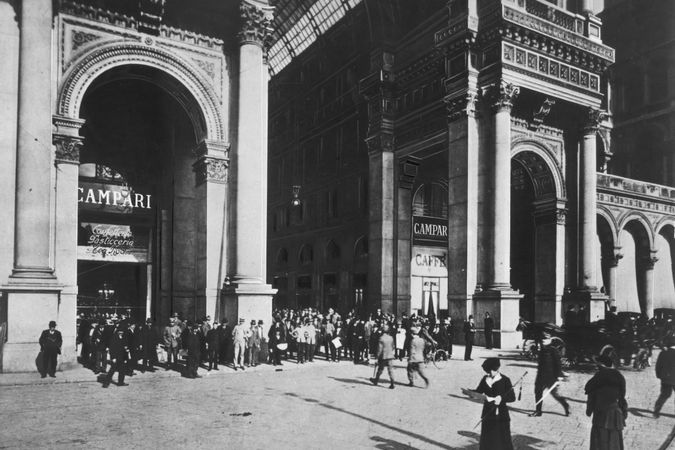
(67, 148)
(211, 169)
(256, 24)
(151, 14)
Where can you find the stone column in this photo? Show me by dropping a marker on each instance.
(612, 262)
(248, 296)
(586, 292)
(211, 173)
(378, 88)
(501, 188)
(32, 255)
(463, 151)
(68, 144)
(649, 283)
(499, 299)
(406, 179)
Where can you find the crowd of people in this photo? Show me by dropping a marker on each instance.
(116, 343)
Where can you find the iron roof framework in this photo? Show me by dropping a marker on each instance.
(299, 23)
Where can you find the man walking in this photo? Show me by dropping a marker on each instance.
(549, 370)
(665, 371)
(385, 356)
(50, 345)
(469, 333)
(416, 357)
(489, 325)
(118, 355)
(239, 334)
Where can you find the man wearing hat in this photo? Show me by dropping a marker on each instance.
(213, 345)
(665, 371)
(239, 335)
(194, 345)
(148, 346)
(118, 355)
(253, 344)
(385, 356)
(171, 337)
(416, 357)
(549, 370)
(50, 345)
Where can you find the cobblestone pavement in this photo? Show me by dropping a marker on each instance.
(319, 405)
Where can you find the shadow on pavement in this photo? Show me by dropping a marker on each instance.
(352, 380)
(669, 440)
(413, 435)
(390, 444)
(639, 412)
(520, 442)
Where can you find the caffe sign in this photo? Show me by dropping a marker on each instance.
(431, 231)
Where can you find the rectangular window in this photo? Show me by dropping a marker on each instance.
(305, 282)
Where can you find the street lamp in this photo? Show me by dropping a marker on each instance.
(296, 193)
(106, 292)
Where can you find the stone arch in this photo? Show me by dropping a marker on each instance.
(636, 223)
(611, 223)
(666, 221)
(542, 166)
(361, 247)
(177, 77)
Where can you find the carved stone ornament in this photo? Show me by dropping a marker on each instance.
(561, 216)
(457, 107)
(381, 142)
(540, 115)
(504, 95)
(650, 261)
(210, 169)
(67, 148)
(256, 24)
(594, 117)
(151, 13)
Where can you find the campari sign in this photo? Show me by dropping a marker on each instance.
(112, 198)
(114, 243)
(431, 231)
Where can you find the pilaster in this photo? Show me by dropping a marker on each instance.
(407, 171)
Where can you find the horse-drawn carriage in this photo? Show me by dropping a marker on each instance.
(627, 342)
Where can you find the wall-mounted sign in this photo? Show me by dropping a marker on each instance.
(429, 261)
(430, 231)
(112, 198)
(115, 243)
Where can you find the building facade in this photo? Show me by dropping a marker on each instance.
(134, 147)
(453, 157)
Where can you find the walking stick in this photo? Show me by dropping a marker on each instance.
(548, 391)
(520, 380)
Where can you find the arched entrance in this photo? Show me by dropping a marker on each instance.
(138, 207)
(537, 233)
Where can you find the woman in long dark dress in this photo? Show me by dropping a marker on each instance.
(606, 393)
(495, 432)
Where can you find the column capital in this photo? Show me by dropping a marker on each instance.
(66, 138)
(650, 260)
(381, 142)
(594, 117)
(551, 215)
(67, 148)
(209, 147)
(503, 95)
(256, 24)
(613, 256)
(457, 107)
(211, 169)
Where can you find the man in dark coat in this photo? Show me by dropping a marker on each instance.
(665, 371)
(213, 338)
(100, 345)
(50, 345)
(148, 346)
(489, 325)
(469, 333)
(549, 370)
(118, 355)
(225, 341)
(194, 345)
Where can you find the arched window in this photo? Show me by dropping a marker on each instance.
(282, 256)
(306, 254)
(332, 251)
(431, 199)
(361, 248)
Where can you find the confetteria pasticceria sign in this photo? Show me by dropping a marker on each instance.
(431, 231)
(112, 242)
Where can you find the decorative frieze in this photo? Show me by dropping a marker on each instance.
(256, 24)
(211, 169)
(549, 68)
(80, 38)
